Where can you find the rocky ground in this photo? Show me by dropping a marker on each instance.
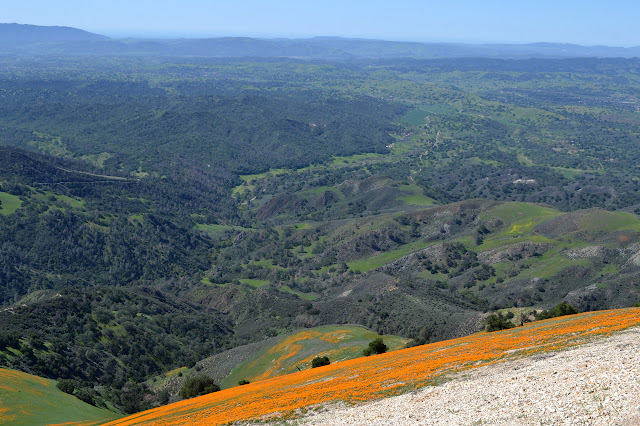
(593, 384)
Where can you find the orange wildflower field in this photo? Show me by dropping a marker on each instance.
(366, 379)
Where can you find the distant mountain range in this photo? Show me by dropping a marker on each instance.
(39, 40)
(18, 34)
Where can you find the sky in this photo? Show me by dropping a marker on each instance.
(585, 22)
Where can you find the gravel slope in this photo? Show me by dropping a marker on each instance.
(593, 384)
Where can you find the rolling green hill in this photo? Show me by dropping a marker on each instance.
(277, 356)
(295, 351)
(31, 400)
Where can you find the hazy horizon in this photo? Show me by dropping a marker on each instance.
(586, 23)
(169, 35)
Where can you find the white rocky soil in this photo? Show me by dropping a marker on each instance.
(593, 384)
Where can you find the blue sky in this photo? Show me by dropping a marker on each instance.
(612, 22)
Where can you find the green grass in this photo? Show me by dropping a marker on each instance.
(570, 173)
(265, 263)
(436, 277)
(216, 229)
(48, 197)
(72, 202)
(369, 263)
(610, 269)
(417, 198)
(487, 162)
(521, 219)
(546, 266)
(31, 400)
(517, 213)
(550, 264)
(356, 158)
(51, 145)
(136, 218)
(246, 186)
(306, 296)
(258, 176)
(10, 203)
(418, 116)
(503, 240)
(524, 160)
(207, 281)
(296, 350)
(601, 220)
(254, 282)
(97, 159)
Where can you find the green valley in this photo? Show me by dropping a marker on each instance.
(164, 217)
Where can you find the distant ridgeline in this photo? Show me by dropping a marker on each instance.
(17, 34)
(15, 38)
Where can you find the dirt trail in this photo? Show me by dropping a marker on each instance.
(94, 174)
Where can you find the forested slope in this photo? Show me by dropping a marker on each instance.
(157, 211)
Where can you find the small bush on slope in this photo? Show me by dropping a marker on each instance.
(196, 386)
(376, 346)
(319, 361)
(560, 310)
(67, 385)
(497, 321)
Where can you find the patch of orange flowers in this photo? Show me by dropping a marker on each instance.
(365, 379)
(286, 349)
(16, 381)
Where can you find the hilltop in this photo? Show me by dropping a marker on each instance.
(408, 370)
(20, 34)
(595, 383)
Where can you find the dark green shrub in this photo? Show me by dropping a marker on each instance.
(560, 310)
(87, 395)
(163, 397)
(196, 386)
(497, 321)
(243, 382)
(103, 315)
(319, 361)
(376, 346)
(66, 386)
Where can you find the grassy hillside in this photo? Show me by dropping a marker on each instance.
(296, 351)
(366, 379)
(32, 400)
(276, 356)
(9, 203)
